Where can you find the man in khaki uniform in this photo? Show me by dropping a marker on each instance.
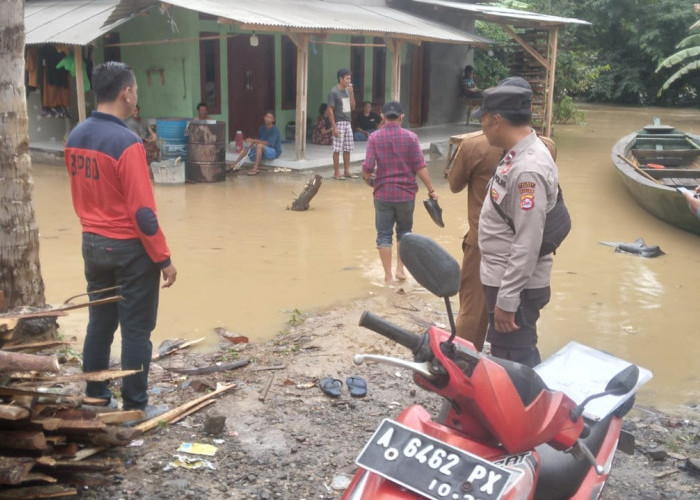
(473, 168)
(523, 189)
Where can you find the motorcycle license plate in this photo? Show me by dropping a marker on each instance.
(430, 467)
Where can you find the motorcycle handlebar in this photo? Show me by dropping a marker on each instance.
(391, 331)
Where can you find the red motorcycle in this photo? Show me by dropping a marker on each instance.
(502, 433)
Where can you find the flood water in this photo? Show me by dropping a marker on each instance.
(246, 263)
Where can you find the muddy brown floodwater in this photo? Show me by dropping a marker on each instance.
(246, 263)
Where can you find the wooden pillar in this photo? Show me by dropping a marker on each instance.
(302, 42)
(552, 42)
(79, 82)
(395, 47)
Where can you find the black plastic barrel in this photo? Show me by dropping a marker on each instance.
(207, 151)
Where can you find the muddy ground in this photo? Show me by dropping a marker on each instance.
(298, 443)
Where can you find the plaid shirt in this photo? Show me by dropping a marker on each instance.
(397, 155)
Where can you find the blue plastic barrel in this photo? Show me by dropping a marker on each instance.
(172, 140)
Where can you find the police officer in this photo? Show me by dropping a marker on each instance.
(522, 190)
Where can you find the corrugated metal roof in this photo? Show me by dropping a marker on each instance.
(503, 14)
(73, 22)
(316, 15)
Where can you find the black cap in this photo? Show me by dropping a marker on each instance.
(392, 109)
(515, 81)
(505, 99)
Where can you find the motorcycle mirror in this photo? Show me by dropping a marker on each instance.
(430, 264)
(623, 382)
(619, 385)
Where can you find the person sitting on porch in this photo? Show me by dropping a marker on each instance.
(323, 130)
(140, 127)
(366, 122)
(267, 146)
(468, 85)
(202, 111)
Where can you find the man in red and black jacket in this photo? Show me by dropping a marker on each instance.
(123, 244)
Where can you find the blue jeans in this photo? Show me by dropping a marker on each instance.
(390, 213)
(110, 262)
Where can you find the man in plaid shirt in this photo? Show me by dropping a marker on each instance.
(392, 162)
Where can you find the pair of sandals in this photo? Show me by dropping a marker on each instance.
(343, 177)
(356, 385)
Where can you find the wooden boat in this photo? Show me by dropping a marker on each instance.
(652, 162)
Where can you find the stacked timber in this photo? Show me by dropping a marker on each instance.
(48, 434)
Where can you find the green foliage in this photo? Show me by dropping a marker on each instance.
(230, 354)
(565, 111)
(491, 67)
(618, 53)
(683, 55)
(296, 319)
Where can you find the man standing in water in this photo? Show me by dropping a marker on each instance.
(341, 103)
(398, 158)
(123, 244)
(522, 190)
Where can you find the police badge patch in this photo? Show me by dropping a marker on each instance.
(527, 201)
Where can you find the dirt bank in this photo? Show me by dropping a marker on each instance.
(298, 443)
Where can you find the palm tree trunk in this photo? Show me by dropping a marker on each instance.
(20, 273)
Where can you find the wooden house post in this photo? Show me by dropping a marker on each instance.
(301, 40)
(552, 42)
(79, 82)
(395, 47)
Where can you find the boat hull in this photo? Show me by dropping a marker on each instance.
(662, 201)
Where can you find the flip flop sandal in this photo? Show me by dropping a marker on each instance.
(338, 177)
(352, 176)
(331, 386)
(357, 386)
(253, 172)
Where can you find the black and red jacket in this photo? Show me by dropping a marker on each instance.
(111, 187)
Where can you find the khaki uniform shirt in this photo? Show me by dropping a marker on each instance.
(525, 186)
(473, 168)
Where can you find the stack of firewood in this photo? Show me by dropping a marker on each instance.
(48, 433)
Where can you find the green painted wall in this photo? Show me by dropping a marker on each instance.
(181, 92)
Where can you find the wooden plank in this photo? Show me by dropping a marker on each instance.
(45, 396)
(23, 440)
(14, 470)
(39, 477)
(95, 465)
(87, 452)
(48, 491)
(9, 412)
(170, 415)
(35, 346)
(59, 424)
(61, 311)
(193, 410)
(117, 417)
(99, 376)
(177, 348)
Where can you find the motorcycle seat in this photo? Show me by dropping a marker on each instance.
(560, 472)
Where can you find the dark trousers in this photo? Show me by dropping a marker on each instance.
(110, 262)
(519, 345)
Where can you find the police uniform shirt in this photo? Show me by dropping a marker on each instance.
(524, 186)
